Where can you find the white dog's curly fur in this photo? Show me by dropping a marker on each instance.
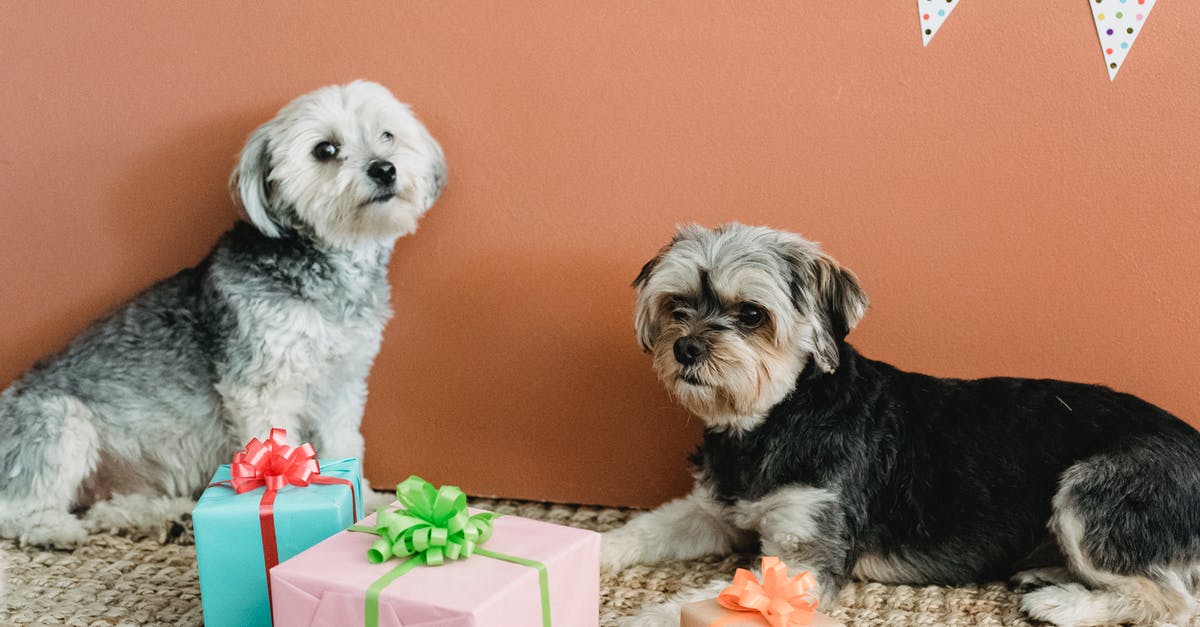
(278, 326)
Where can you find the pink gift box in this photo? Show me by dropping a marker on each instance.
(326, 585)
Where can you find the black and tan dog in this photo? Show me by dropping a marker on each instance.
(852, 468)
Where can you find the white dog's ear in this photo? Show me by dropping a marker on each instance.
(249, 186)
(831, 299)
(431, 186)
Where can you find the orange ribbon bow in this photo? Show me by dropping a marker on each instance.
(273, 464)
(782, 602)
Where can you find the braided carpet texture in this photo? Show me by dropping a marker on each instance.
(114, 580)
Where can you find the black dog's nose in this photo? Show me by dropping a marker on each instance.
(383, 172)
(689, 350)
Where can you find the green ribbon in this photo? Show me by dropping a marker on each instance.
(543, 578)
(432, 527)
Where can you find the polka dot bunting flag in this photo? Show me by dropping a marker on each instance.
(933, 13)
(1119, 22)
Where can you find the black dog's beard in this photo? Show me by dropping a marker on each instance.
(736, 383)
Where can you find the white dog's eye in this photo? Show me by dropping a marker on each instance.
(325, 151)
(750, 315)
(387, 137)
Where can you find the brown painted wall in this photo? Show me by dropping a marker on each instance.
(1008, 209)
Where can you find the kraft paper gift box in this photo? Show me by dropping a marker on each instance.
(706, 613)
(776, 601)
(234, 547)
(327, 585)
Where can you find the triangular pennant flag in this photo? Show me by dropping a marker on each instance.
(933, 13)
(1119, 22)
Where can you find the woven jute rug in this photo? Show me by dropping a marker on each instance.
(115, 580)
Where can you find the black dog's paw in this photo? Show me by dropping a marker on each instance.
(178, 530)
(1035, 578)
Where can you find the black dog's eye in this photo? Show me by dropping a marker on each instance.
(679, 309)
(751, 316)
(387, 137)
(325, 151)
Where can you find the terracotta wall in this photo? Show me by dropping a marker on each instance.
(1008, 209)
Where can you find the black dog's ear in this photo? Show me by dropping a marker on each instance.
(649, 267)
(249, 184)
(843, 298)
(646, 317)
(647, 270)
(831, 299)
(645, 320)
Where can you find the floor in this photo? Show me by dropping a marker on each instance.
(115, 580)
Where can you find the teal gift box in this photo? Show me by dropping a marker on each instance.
(230, 537)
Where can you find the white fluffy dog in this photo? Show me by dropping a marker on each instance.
(278, 326)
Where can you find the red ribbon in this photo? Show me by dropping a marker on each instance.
(273, 464)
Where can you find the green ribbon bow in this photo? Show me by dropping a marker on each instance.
(432, 527)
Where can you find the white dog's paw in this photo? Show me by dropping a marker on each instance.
(374, 500)
(138, 516)
(53, 530)
(3, 578)
(619, 548)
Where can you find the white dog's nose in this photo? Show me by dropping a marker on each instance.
(382, 172)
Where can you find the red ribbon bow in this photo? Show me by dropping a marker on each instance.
(273, 464)
(782, 602)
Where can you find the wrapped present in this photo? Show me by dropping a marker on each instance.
(433, 561)
(271, 503)
(776, 601)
